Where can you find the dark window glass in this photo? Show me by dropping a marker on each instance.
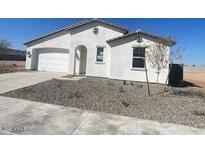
(138, 62)
(138, 58)
(100, 51)
(139, 52)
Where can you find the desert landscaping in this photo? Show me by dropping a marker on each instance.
(179, 105)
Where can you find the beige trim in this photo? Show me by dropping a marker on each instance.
(101, 46)
(140, 46)
(138, 69)
(97, 62)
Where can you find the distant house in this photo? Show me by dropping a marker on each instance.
(96, 48)
(12, 54)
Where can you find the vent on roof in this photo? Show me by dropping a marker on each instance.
(139, 38)
(95, 30)
(138, 30)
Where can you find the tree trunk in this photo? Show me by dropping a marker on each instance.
(148, 89)
(165, 87)
(157, 77)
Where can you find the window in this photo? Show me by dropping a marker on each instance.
(100, 51)
(138, 58)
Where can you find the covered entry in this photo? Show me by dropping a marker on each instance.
(52, 59)
(80, 60)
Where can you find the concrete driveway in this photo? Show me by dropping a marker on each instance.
(13, 81)
(26, 117)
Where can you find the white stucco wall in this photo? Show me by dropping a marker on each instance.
(121, 62)
(117, 59)
(84, 36)
(60, 40)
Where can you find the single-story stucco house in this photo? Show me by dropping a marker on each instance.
(96, 48)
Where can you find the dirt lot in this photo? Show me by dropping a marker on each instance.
(185, 106)
(195, 76)
(17, 64)
(11, 66)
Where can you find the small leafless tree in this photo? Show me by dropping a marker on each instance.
(158, 56)
(176, 54)
(4, 46)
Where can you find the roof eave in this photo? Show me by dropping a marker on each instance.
(173, 43)
(39, 38)
(166, 41)
(124, 30)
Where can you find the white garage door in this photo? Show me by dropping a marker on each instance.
(53, 61)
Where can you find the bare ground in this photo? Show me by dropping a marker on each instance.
(11, 66)
(196, 77)
(17, 64)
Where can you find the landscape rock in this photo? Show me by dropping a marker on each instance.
(177, 105)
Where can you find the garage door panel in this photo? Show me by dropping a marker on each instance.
(55, 62)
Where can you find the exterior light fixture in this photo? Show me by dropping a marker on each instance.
(95, 30)
(29, 54)
(139, 39)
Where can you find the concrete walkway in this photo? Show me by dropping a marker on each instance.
(12, 81)
(27, 117)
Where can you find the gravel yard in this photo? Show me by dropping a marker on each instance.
(184, 106)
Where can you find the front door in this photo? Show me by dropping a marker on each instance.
(80, 60)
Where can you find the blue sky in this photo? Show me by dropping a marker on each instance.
(189, 33)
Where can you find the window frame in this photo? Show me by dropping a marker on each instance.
(138, 57)
(97, 60)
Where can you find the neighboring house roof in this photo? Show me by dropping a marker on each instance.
(124, 30)
(163, 40)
